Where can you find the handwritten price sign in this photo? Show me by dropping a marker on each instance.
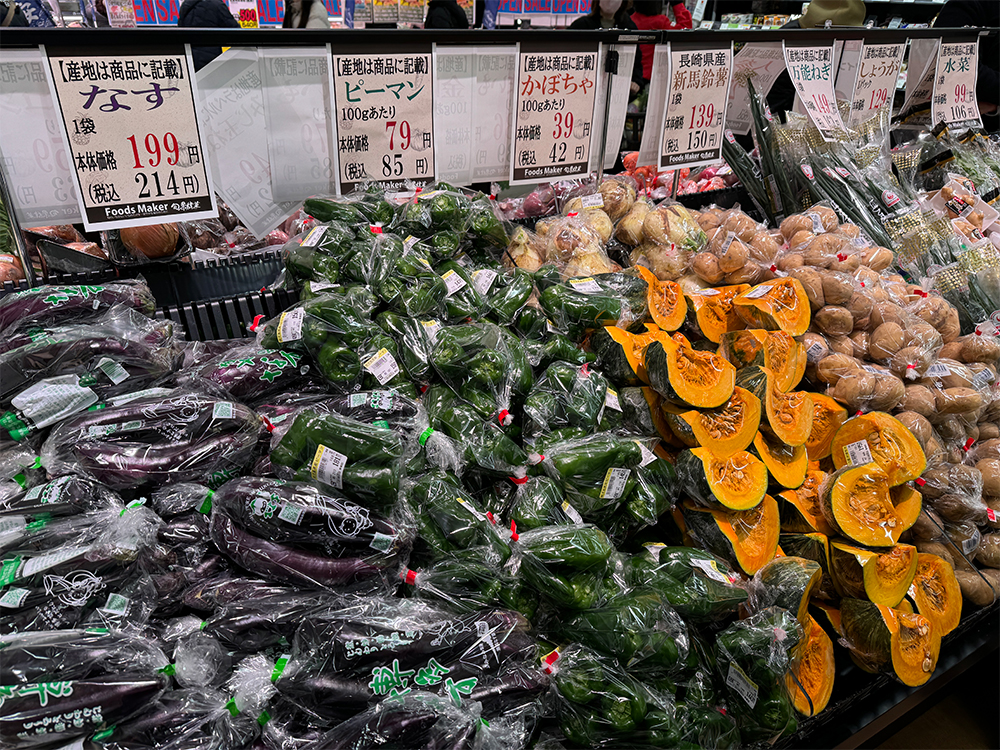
(875, 84)
(696, 106)
(812, 72)
(953, 101)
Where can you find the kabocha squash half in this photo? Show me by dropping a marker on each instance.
(787, 582)
(776, 305)
(810, 680)
(728, 428)
(786, 465)
(936, 593)
(881, 576)
(891, 445)
(737, 482)
(619, 354)
(685, 376)
(801, 509)
(828, 417)
(747, 538)
(776, 350)
(789, 415)
(856, 503)
(711, 311)
(665, 299)
(882, 639)
(907, 502)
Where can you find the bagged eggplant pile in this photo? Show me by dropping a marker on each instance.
(619, 482)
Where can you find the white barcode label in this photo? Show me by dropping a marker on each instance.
(12, 525)
(741, 684)
(614, 483)
(291, 513)
(483, 279)
(592, 201)
(858, 454)
(711, 569)
(970, 544)
(117, 604)
(409, 242)
(101, 430)
(982, 379)
(382, 400)
(647, 455)
(453, 281)
(860, 242)
(873, 370)
(223, 410)
(328, 466)
(611, 400)
(757, 292)
(817, 223)
(322, 286)
(44, 562)
(54, 399)
(313, 238)
(815, 351)
(708, 292)
(549, 327)
(585, 286)
(431, 328)
(383, 366)
(938, 370)
(290, 325)
(571, 513)
(13, 598)
(115, 372)
(727, 242)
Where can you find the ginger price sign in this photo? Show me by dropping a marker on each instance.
(697, 96)
(554, 115)
(875, 84)
(953, 101)
(385, 119)
(131, 130)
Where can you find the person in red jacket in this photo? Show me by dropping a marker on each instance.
(649, 16)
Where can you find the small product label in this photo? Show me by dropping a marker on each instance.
(313, 238)
(453, 281)
(290, 325)
(54, 399)
(117, 605)
(614, 483)
(291, 513)
(483, 279)
(711, 569)
(465, 504)
(647, 455)
(431, 328)
(409, 242)
(741, 684)
(35, 492)
(383, 366)
(115, 372)
(817, 223)
(44, 562)
(708, 292)
(757, 292)
(381, 542)
(223, 410)
(14, 598)
(549, 327)
(727, 242)
(585, 285)
(872, 370)
(860, 242)
(858, 454)
(8, 570)
(991, 514)
(322, 286)
(358, 399)
(571, 513)
(969, 545)
(814, 352)
(328, 466)
(426, 263)
(982, 379)
(592, 201)
(938, 370)
(960, 207)
(653, 549)
(12, 525)
(611, 400)
(382, 400)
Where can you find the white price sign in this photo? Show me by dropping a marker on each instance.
(121, 13)
(812, 72)
(761, 64)
(35, 157)
(953, 101)
(385, 119)
(875, 84)
(920, 72)
(554, 114)
(245, 13)
(130, 126)
(696, 106)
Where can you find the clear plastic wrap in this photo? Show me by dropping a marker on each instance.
(596, 471)
(574, 243)
(565, 564)
(591, 301)
(251, 374)
(567, 396)
(64, 496)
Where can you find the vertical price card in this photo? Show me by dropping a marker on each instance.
(130, 126)
(954, 98)
(761, 64)
(554, 113)
(695, 110)
(812, 72)
(875, 85)
(384, 115)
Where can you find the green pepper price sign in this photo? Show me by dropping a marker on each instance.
(385, 119)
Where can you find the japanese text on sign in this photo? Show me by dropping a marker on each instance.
(385, 119)
(875, 84)
(133, 137)
(812, 73)
(245, 13)
(695, 109)
(554, 115)
(759, 63)
(954, 97)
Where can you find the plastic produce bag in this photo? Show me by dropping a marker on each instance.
(250, 374)
(64, 496)
(596, 471)
(574, 244)
(565, 396)
(656, 488)
(588, 302)
(317, 254)
(55, 305)
(565, 564)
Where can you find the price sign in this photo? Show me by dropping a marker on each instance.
(954, 97)
(121, 13)
(245, 12)
(385, 11)
(760, 63)
(231, 112)
(699, 11)
(920, 72)
(812, 72)
(621, 83)
(875, 84)
(554, 114)
(35, 158)
(411, 11)
(695, 108)
(385, 119)
(131, 130)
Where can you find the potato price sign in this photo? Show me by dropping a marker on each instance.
(953, 101)
(385, 119)
(812, 72)
(875, 84)
(697, 96)
(554, 115)
(132, 134)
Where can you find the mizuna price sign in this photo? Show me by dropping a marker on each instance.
(554, 114)
(130, 128)
(812, 72)
(385, 119)
(953, 101)
(697, 94)
(875, 84)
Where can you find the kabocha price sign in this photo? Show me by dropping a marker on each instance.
(953, 101)
(554, 114)
(385, 119)
(696, 106)
(875, 84)
(131, 130)
(812, 72)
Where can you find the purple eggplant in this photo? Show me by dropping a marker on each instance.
(51, 305)
(259, 623)
(61, 497)
(250, 374)
(212, 594)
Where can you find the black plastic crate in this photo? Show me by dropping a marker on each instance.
(229, 318)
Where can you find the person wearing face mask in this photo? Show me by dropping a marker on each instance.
(613, 14)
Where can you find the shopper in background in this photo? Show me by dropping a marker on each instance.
(211, 14)
(613, 14)
(649, 16)
(445, 14)
(305, 14)
(11, 14)
(958, 13)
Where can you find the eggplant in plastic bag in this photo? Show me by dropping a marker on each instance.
(52, 305)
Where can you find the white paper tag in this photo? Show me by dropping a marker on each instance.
(938, 370)
(647, 455)
(313, 238)
(409, 242)
(982, 379)
(117, 605)
(611, 400)
(817, 223)
(711, 569)
(44, 562)
(290, 325)
(757, 292)
(614, 483)
(858, 454)
(322, 286)
(571, 513)
(35, 491)
(291, 513)
(653, 549)
(13, 598)
(328, 466)
(431, 328)
(873, 370)
(592, 201)
(741, 684)
(814, 352)
(453, 281)
(223, 410)
(585, 286)
(53, 399)
(115, 372)
(383, 366)
(483, 279)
